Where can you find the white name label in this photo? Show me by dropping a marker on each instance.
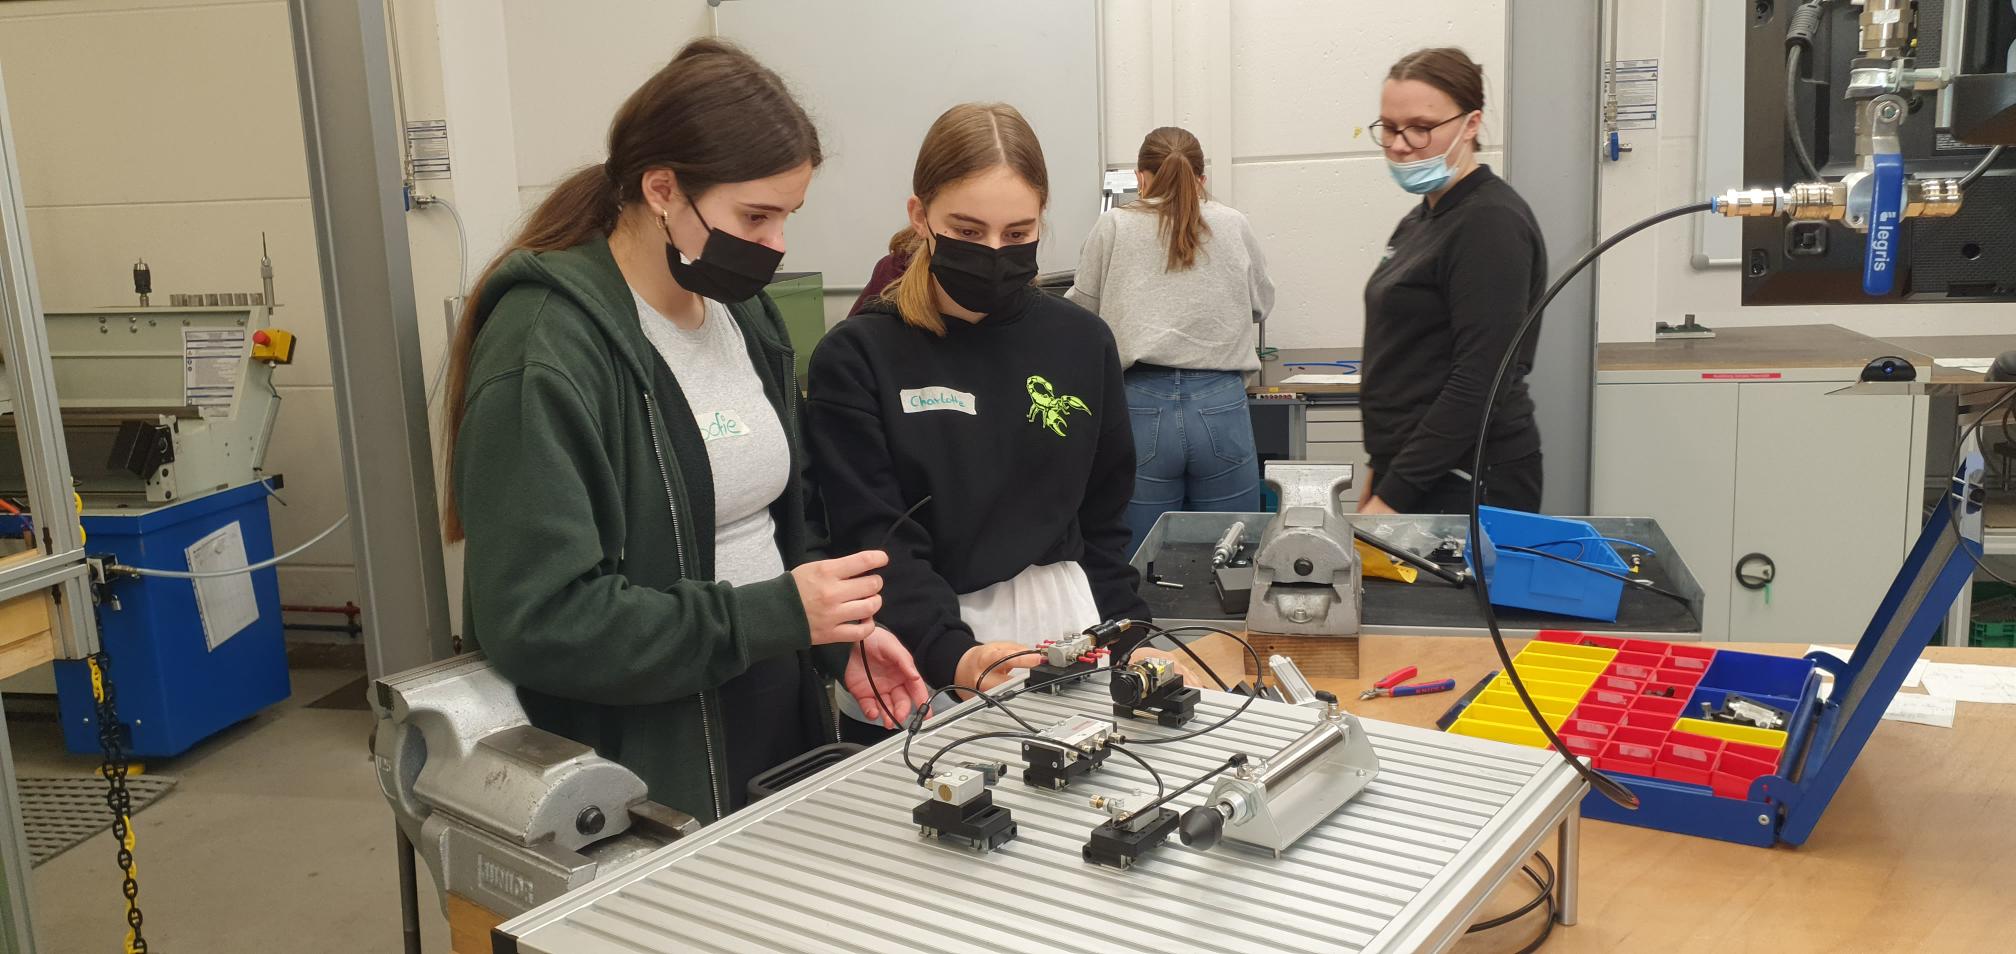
(919, 400)
(721, 425)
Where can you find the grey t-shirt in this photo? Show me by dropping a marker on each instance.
(746, 446)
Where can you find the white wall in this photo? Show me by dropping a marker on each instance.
(1300, 80)
(170, 130)
(1652, 278)
(1279, 91)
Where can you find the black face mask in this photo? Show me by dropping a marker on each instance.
(982, 279)
(730, 268)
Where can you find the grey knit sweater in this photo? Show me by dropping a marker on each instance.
(1200, 318)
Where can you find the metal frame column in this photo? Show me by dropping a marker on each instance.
(1554, 74)
(343, 61)
(45, 466)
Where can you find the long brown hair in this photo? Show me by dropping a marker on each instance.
(966, 140)
(1174, 160)
(713, 115)
(1448, 69)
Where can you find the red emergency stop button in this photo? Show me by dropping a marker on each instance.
(261, 338)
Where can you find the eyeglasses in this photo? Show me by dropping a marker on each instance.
(1415, 136)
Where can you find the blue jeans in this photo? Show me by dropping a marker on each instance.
(1193, 444)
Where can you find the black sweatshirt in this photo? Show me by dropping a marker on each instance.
(1439, 312)
(1016, 427)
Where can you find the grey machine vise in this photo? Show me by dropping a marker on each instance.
(507, 815)
(1307, 578)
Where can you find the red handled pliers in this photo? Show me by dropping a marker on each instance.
(1390, 686)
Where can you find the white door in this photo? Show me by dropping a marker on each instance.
(1825, 490)
(1668, 451)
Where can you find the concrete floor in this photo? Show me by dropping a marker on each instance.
(275, 838)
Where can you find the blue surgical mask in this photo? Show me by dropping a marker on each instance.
(1423, 176)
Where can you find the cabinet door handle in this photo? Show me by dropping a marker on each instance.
(1755, 571)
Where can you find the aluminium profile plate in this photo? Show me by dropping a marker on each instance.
(835, 864)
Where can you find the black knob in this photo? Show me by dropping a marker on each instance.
(1303, 567)
(1203, 826)
(1127, 688)
(590, 821)
(1327, 696)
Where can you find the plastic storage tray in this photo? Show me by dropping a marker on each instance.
(1569, 586)
(1634, 708)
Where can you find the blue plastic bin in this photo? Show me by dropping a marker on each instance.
(1525, 581)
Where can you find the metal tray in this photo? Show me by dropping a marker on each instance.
(1180, 545)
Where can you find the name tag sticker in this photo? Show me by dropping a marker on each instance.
(721, 425)
(919, 400)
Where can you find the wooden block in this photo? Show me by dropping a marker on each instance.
(1319, 657)
(469, 925)
(27, 639)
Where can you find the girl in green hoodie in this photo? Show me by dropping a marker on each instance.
(626, 465)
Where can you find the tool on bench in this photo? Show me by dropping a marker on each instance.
(1391, 685)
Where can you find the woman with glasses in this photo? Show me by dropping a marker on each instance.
(1459, 272)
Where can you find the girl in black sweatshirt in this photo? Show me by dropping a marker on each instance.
(1004, 405)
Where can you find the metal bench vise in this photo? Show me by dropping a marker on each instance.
(507, 815)
(1307, 577)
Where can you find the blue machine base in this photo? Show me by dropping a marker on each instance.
(172, 689)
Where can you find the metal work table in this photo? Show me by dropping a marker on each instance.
(836, 864)
(1181, 545)
(1281, 412)
(1275, 371)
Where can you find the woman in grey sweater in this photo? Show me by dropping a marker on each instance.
(1182, 281)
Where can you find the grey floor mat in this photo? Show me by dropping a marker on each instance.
(59, 813)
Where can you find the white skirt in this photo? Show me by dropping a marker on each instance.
(1037, 604)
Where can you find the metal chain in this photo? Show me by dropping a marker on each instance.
(117, 798)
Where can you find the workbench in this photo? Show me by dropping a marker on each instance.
(835, 862)
(1912, 854)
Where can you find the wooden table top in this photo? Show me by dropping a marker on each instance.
(1776, 347)
(1917, 851)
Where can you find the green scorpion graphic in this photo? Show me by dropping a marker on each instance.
(1044, 400)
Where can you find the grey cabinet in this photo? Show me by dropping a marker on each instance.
(1824, 488)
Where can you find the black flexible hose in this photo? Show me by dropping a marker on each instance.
(1793, 133)
(1981, 167)
(1611, 788)
(1799, 31)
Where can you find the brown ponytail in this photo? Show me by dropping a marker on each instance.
(713, 115)
(966, 140)
(1174, 160)
(904, 242)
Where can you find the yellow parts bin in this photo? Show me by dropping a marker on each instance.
(1729, 732)
(1556, 676)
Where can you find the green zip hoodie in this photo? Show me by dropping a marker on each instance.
(588, 501)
